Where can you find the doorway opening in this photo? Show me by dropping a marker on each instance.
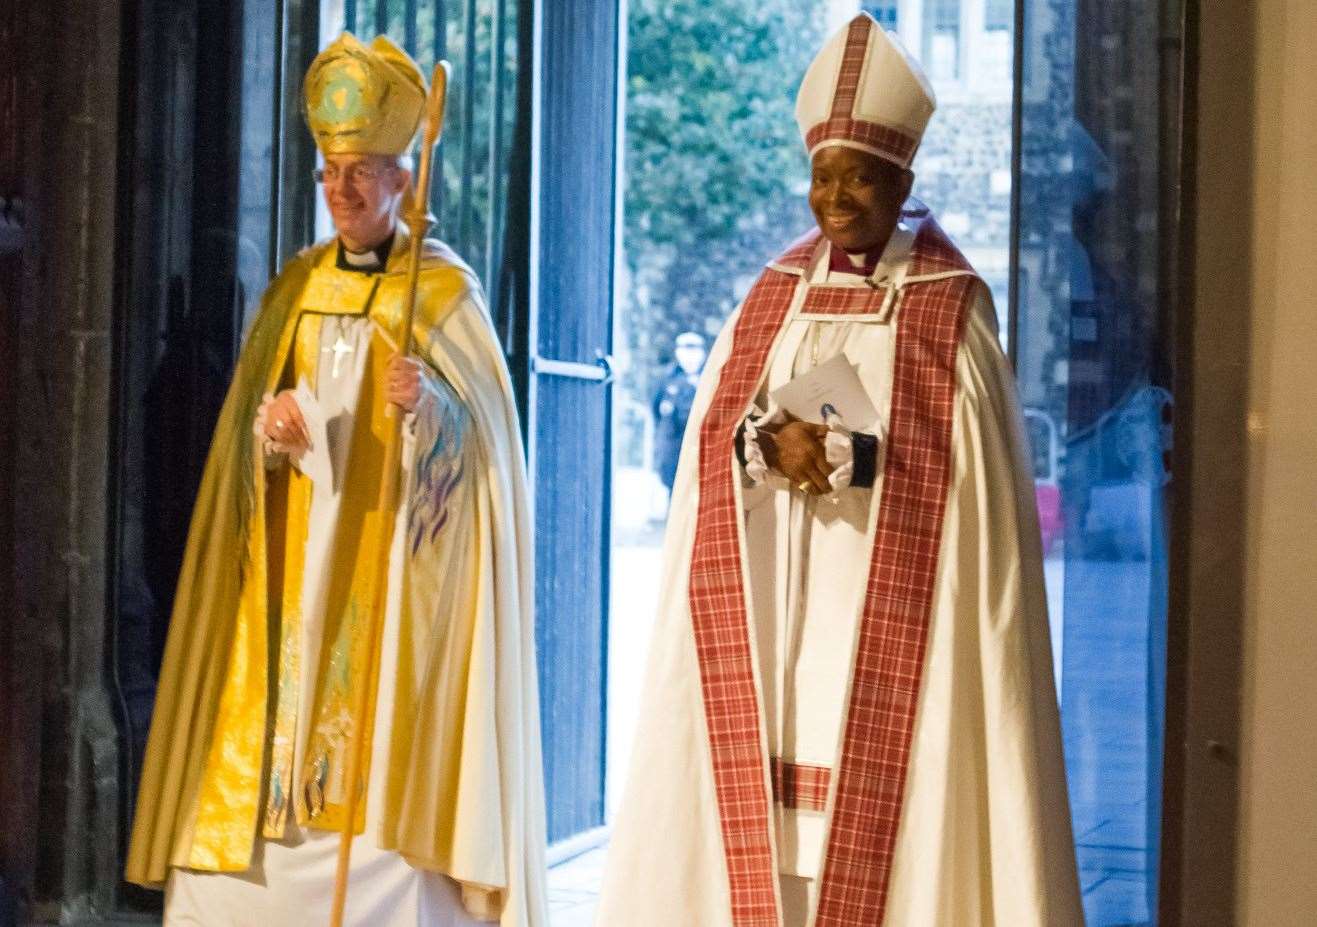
(1043, 163)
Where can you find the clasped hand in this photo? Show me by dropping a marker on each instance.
(285, 425)
(797, 451)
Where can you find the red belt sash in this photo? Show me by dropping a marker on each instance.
(869, 778)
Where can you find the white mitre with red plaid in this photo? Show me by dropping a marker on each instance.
(864, 90)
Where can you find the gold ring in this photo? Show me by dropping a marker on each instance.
(803, 486)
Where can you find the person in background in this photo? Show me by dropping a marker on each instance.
(672, 404)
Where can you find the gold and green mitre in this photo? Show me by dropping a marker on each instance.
(364, 99)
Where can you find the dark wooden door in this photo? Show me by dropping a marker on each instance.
(570, 397)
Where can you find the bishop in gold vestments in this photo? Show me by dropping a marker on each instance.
(243, 787)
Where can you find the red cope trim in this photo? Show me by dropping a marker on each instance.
(890, 143)
(800, 786)
(852, 63)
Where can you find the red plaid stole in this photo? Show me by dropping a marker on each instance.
(869, 781)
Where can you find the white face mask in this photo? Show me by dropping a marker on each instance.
(690, 358)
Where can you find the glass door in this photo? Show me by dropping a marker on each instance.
(570, 398)
(1094, 276)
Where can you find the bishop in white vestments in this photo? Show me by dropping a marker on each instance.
(849, 715)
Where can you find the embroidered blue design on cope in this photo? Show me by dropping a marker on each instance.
(439, 471)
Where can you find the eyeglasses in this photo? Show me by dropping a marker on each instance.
(353, 173)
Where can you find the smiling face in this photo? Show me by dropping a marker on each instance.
(857, 197)
(364, 193)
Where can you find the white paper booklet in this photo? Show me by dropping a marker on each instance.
(832, 383)
(315, 462)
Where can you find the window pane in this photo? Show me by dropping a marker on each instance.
(963, 169)
(885, 12)
(943, 14)
(1093, 377)
(999, 14)
(942, 39)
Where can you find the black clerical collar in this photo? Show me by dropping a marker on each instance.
(366, 262)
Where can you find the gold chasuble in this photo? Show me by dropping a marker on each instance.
(316, 792)
(462, 786)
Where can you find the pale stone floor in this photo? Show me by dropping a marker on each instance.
(573, 894)
(574, 889)
(1106, 719)
(1103, 658)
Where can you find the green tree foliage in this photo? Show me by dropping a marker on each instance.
(715, 171)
